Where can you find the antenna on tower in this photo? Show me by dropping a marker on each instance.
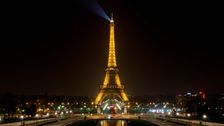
(111, 18)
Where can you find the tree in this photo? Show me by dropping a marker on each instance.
(31, 110)
(8, 104)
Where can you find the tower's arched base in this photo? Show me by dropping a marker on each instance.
(112, 106)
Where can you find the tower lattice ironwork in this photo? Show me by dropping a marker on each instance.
(111, 85)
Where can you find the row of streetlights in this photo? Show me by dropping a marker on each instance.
(204, 117)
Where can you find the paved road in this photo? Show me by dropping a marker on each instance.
(160, 122)
(62, 123)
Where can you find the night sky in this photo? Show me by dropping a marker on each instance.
(60, 47)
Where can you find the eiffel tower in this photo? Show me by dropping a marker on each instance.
(111, 86)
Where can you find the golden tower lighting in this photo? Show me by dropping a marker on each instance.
(111, 84)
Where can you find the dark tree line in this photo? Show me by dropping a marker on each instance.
(212, 107)
(8, 104)
(197, 107)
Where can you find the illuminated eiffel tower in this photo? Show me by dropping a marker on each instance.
(111, 86)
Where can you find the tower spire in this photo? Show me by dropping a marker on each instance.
(112, 54)
(111, 18)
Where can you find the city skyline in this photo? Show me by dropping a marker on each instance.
(61, 49)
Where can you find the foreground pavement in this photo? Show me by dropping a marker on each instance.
(113, 120)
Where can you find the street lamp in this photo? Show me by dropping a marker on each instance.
(22, 117)
(189, 115)
(204, 117)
